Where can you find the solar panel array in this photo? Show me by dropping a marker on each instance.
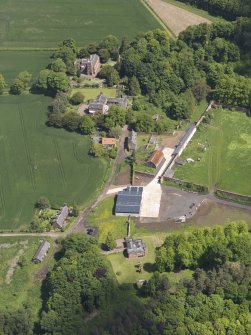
(129, 200)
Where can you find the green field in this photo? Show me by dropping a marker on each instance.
(13, 62)
(226, 162)
(44, 23)
(20, 279)
(40, 161)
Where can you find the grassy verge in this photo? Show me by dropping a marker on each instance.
(221, 153)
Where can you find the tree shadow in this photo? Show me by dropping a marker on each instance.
(150, 267)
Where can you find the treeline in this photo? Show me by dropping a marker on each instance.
(80, 283)
(207, 248)
(211, 303)
(229, 9)
(16, 322)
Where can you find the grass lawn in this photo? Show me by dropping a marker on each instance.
(45, 23)
(20, 279)
(40, 161)
(102, 218)
(227, 159)
(91, 93)
(195, 10)
(13, 62)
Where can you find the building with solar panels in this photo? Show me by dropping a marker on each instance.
(129, 201)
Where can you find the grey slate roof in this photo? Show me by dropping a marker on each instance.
(96, 105)
(184, 139)
(101, 98)
(129, 200)
(132, 137)
(41, 251)
(135, 246)
(62, 216)
(123, 102)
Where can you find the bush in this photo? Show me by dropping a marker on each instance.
(77, 98)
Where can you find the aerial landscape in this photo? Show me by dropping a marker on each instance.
(125, 163)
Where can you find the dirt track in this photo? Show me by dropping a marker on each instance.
(175, 18)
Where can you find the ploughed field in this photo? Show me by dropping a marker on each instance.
(45, 23)
(40, 161)
(222, 153)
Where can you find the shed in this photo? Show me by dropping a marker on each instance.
(128, 201)
(135, 248)
(108, 142)
(155, 159)
(60, 219)
(180, 161)
(41, 251)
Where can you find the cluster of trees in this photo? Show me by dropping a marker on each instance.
(21, 83)
(176, 74)
(229, 9)
(106, 49)
(80, 282)
(207, 247)
(211, 303)
(18, 322)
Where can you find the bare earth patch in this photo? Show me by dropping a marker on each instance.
(175, 18)
(14, 262)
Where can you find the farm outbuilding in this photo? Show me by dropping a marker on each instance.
(185, 140)
(41, 251)
(129, 201)
(156, 159)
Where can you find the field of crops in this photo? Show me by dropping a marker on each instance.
(44, 23)
(40, 161)
(13, 62)
(226, 161)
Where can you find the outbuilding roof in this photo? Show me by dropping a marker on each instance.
(132, 137)
(129, 200)
(134, 246)
(108, 141)
(62, 216)
(184, 139)
(41, 251)
(156, 157)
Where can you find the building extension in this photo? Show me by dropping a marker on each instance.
(129, 201)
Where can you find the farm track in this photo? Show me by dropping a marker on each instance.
(27, 150)
(60, 163)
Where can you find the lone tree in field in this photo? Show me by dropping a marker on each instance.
(3, 84)
(110, 241)
(42, 203)
(21, 83)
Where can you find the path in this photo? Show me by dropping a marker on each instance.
(79, 226)
(152, 193)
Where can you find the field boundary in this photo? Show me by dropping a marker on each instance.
(163, 24)
(231, 196)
